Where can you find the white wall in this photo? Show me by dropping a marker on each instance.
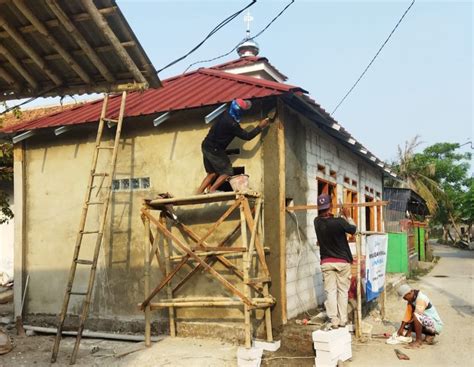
(304, 278)
(6, 248)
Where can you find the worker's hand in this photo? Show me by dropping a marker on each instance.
(264, 123)
(346, 212)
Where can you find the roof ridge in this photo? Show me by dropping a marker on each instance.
(249, 79)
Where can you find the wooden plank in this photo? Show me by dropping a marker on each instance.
(212, 271)
(18, 67)
(359, 291)
(200, 199)
(345, 205)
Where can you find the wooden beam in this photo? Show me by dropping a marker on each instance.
(18, 67)
(282, 205)
(6, 76)
(51, 23)
(103, 26)
(81, 41)
(35, 57)
(347, 205)
(26, 11)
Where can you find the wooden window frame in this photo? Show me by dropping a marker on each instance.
(326, 190)
(351, 197)
(371, 211)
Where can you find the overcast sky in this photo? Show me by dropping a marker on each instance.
(421, 83)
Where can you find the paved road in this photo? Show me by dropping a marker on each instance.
(450, 287)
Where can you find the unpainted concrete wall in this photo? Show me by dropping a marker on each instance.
(306, 147)
(56, 176)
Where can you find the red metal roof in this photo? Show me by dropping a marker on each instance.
(203, 87)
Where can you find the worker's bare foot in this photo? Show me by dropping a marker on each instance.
(430, 339)
(414, 345)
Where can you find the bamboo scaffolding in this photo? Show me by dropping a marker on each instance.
(194, 248)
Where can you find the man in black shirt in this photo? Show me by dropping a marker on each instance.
(336, 259)
(224, 130)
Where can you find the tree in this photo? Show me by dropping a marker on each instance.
(439, 174)
(6, 176)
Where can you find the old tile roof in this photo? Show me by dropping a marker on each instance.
(203, 87)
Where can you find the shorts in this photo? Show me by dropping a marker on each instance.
(427, 323)
(216, 161)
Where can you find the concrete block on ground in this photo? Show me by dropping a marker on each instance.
(320, 363)
(327, 336)
(268, 346)
(340, 352)
(249, 357)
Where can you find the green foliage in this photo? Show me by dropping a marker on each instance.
(6, 176)
(439, 174)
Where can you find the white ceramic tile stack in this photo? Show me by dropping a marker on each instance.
(332, 346)
(251, 357)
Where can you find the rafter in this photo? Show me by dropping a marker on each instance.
(77, 36)
(80, 17)
(20, 4)
(35, 57)
(102, 24)
(18, 67)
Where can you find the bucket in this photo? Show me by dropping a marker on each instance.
(239, 182)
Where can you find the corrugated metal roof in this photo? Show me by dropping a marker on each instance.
(203, 87)
(51, 48)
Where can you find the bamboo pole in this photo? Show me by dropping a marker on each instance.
(208, 268)
(359, 296)
(169, 290)
(345, 205)
(147, 283)
(245, 270)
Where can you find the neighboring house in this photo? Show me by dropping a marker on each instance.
(406, 223)
(305, 153)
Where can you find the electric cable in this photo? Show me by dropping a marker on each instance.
(31, 99)
(248, 39)
(373, 59)
(214, 30)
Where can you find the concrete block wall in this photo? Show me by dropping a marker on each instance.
(305, 289)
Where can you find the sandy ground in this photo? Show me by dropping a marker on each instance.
(450, 287)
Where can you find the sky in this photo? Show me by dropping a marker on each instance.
(420, 84)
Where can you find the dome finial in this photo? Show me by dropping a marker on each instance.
(248, 47)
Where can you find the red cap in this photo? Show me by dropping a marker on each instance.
(244, 104)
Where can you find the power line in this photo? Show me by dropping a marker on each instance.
(31, 99)
(373, 59)
(214, 30)
(249, 39)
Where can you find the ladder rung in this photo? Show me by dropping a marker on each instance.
(105, 147)
(100, 174)
(84, 262)
(111, 120)
(78, 293)
(89, 232)
(95, 202)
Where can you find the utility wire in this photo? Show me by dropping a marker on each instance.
(373, 59)
(31, 99)
(248, 39)
(214, 30)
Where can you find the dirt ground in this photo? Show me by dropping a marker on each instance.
(449, 285)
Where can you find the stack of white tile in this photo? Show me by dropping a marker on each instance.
(249, 357)
(332, 346)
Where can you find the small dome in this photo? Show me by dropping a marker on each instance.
(248, 47)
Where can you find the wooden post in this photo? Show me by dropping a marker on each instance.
(169, 289)
(359, 290)
(282, 210)
(245, 269)
(147, 282)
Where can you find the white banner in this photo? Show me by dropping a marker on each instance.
(375, 264)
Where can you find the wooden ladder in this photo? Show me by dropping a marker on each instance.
(93, 183)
